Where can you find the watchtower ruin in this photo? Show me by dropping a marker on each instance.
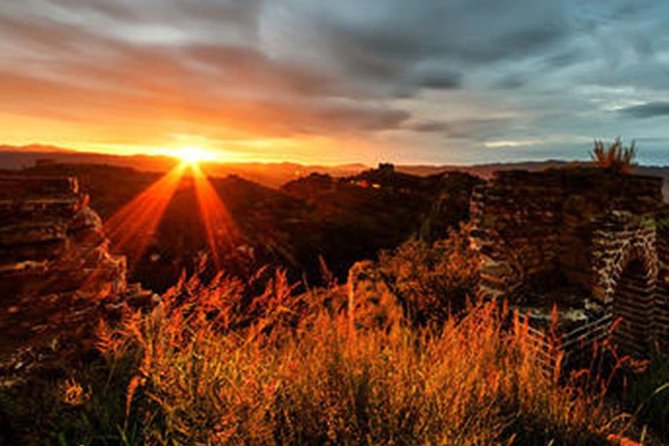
(592, 242)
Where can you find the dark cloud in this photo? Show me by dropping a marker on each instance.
(511, 81)
(430, 126)
(474, 128)
(648, 110)
(441, 81)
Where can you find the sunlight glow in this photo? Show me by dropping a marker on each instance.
(193, 155)
(132, 228)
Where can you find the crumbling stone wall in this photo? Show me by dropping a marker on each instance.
(517, 229)
(618, 239)
(57, 275)
(51, 241)
(584, 227)
(661, 320)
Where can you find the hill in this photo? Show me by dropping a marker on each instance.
(341, 220)
(272, 175)
(268, 174)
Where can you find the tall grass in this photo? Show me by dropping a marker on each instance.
(473, 381)
(228, 363)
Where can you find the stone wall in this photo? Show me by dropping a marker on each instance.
(57, 276)
(51, 241)
(517, 229)
(584, 227)
(661, 325)
(539, 225)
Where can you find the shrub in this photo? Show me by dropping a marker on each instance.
(648, 393)
(616, 157)
(432, 280)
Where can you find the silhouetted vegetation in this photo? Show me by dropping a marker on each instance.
(647, 394)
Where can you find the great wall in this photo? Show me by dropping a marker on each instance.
(592, 243)
(57, 275)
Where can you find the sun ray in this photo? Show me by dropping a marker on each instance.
(132, 227)
(218, 224)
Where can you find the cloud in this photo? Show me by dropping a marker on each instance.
(438, 70)
(472, 128)
(104, 79)
(647, 110)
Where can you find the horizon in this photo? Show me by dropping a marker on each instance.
(353, 82)
(47, 149)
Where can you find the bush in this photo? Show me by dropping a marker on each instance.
(471, 382)
(434, 280)
(648, 394)
(616, 157)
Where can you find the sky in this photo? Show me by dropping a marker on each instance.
(315, 81)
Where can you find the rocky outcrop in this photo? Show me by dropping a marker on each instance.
(57, 275)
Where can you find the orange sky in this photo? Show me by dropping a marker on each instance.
(335, 82)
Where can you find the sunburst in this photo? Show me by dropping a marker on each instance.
(134, 225)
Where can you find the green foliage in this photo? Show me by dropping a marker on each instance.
(616, 157)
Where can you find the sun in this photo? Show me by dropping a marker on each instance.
(193, 155)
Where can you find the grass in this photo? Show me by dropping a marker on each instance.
(223, 363)
(188, 381)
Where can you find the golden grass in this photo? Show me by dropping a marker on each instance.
(306, 377)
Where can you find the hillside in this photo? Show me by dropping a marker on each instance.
(340, 220)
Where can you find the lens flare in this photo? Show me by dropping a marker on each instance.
(133, 226)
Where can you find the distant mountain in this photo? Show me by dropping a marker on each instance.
(268, 174)
(272, 175)
(40, 148)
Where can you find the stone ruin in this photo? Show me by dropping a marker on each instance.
(57, 275)
(592, 243)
